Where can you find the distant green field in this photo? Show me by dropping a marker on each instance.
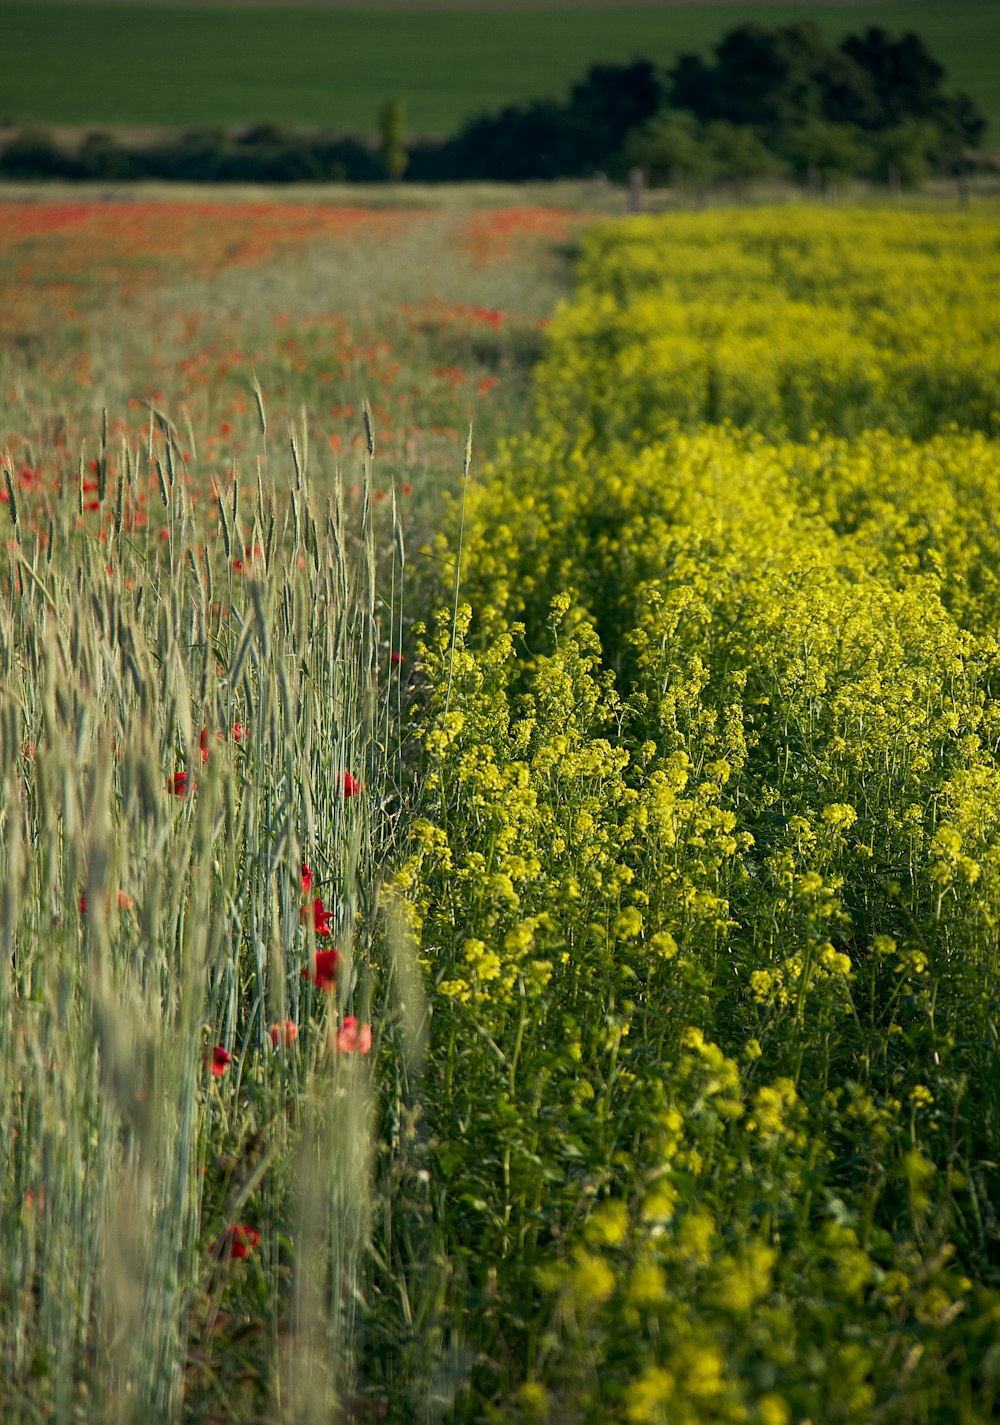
(159, 64)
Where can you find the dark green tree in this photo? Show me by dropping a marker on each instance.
(832, 151)
(534, 141)
(906, 80)
(761, 77)
(609, 102)
(392, 149)
(766, 76)
(906, 150)
(738, 153)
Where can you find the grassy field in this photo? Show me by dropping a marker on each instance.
(93, 64)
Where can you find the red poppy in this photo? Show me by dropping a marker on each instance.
(323, 970)
(237, 1242)
(240, 733)
(396, 659)
(307, 879)
(179, 784)
(353, 1037)
(219, 1061)
(285, 1034)
(122, 898)
(349, 786)
(203, 744)
(321, 917)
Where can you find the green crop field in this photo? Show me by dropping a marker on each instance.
(93, 64)
(499, 925)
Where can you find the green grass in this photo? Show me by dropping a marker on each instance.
(112, 65)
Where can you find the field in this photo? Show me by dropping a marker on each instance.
(136, 333)
(498, 813)
(147, 64)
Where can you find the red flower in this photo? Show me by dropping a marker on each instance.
(353, 1037)
(307, 879)
(349, 786)
(219, 1061)
(237, 1242)
(396, 659)
(122, 898)
(321, 917)
(240, 733)
(320, 914)
(285, 1034)
(203, 744)
(323, 971)
(179, 784)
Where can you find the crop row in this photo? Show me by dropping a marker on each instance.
(786, 321)
(712, 865)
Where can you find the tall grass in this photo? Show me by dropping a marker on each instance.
(207, 763)
(186, 724)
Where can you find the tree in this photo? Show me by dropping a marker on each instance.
(609, 102)
(905, 78)
(960, 126)
(781, 92)
(392, 150)
(692, 87)
(738, 153)
(906, 150)
(831, 150)
(550, 140)
(849, 95)
(761, 77)
(772, 77)
(670, 150)
(534, 141)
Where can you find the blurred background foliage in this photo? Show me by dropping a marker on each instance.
(768, 101)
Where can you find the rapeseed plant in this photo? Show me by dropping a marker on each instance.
(750, 834)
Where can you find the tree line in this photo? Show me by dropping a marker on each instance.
(768, 101)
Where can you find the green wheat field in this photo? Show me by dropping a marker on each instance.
(134, 63)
